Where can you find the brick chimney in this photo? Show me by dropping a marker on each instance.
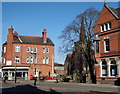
(10, 38)
(10, 34)
(44, 33)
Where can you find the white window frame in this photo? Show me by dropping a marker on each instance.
(102, 69)
(29, 60)
(47, 60)
(110, 69)
(4, 60)
(17, 58)
(28, 49)
(105, 45)
(17, 48)
(4, 49)
(43, 60)
(34, 49)
(45, 50)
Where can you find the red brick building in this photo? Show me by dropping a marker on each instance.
(107, 45)
(59, 69)
(28, 55)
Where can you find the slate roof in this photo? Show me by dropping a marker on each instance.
(32, 40)
(116, 11)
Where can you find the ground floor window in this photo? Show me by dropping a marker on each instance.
(113, 68)
(104, 68)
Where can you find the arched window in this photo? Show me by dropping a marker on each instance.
(113, 68)
(104, 68)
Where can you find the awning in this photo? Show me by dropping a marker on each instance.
(16, 68)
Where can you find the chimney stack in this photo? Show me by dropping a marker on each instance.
(10, 30)
(44, 33)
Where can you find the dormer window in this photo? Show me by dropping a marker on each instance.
(105, 27)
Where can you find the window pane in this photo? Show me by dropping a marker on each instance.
(104, 71)
(35, 49)
(113, 70)
(102, 27)
(107, 44)
(43, 60)
(106, 26)
(104, 68)
(17, 48)
(47, 60)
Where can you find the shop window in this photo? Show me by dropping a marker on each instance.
(113, 68)
(104, 68)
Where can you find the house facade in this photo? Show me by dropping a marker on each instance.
(107, 46)
(27, 56)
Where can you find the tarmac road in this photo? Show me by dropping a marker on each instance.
(58, 88)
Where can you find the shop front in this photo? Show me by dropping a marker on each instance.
(21, 73)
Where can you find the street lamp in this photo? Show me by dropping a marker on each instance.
(34, 61)
(15, 72)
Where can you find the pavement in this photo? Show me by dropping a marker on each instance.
(47, 87)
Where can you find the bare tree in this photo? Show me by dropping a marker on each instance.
(78, 37)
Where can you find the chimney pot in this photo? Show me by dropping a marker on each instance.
(10, 29)
(44, 33)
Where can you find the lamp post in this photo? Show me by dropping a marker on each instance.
(15, 72)
(34, 62)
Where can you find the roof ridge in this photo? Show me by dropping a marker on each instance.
(31, 36)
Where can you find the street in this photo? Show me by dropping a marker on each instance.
(46, 87)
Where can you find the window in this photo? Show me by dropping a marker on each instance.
(4, 49)
(109, 25)
(104, 68)
(45, 50)
(45, 60)
(113, 68)
(32, 49)
(97, 46)
(28, 49)
(17, 59)
(29, 59)
(106, 26)
(102, 28)
(4, 59)
(17, 48)
(107, 45)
